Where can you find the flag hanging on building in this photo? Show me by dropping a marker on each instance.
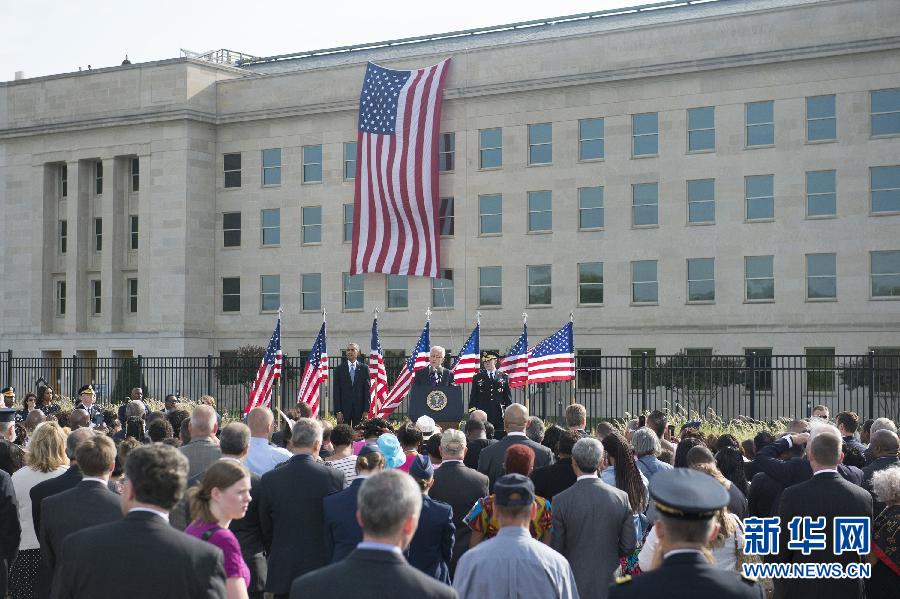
(553, 359)
(377, 374)
(396, 224)
(314, 374)
(515, 363)
(269, 370)
(417, 360)
(468, 362)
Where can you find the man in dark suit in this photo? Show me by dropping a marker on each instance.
(435, 375)
(476, 440)
(431, 547)
(389, 506)
(826, 495)
(559, 476)
(847, 424)
(108, 560)
(67, 480)
(351, 388)
(490, 391)
(884, 446)
(290, 509)
(10, 530)
(490, 462)
(342, 532)
(11, 455)
(796, 470)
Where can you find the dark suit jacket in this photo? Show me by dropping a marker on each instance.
(424, 378)
(459, 487)
(828, 495)
(762, 498)
(432, 546)
(65, 481)
(342, 531)
(352, 399)
(795, 470)
(490, 462)
(10, 530)
(371, 574)
(553, 479)
(687, 575)
(870, 470)
(291, 516)
(183, 567)
(491, 395)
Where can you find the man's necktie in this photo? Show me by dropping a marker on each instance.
(352, 374)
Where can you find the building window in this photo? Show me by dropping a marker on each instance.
(640, 377)
(96, 295)
(590, 283)
(701, 279)
(271, 160)
(760, 123)
(397, 291)
(60, 298)
(885, 107)
(820, 369)
(348, 222)
(761, 360)
(270, 222)
(231, 294)
(702, 129)
(490, 214)
(490, 285)
(63, 180)
(590, 208)
(540, 285)
(821, 123)
(132, 285)
(231, 226)
(759, 197)
(311, 217)
(447, 217)
(885, 189)
(135, 174)
(540, 211)
(701, 194)
(349, 161)
(540, 143)
(353, 291)
(269, 292)
(589, 368)
(446, 152)
(644, 285)
(821, 276)
(590, 139)
(98, 178)
(63, 236)
(490, 148)
(233, 170)
(133, 231)
(98, 234)
(312, 164)
(311, 291)
(759, 278)
(821, 199)
(644, 204)
(442, 289)
(885, 267)
(645, 134)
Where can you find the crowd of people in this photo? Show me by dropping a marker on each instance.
(174, 505)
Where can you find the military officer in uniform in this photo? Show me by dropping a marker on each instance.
(687, 501)
(490, 392)
(11, 455)
(9, 397)
(86, 398)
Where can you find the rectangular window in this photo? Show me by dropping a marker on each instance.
(233, 170)
(490, 214)
(702, 129)
(644, 285)
(349, 161)
(271, 161)
(590, 208)
(540, 285)
(63, 180)
(348, 222)
(701, 194)
(885, 111)
(135, 174)
(96, 297)
(98, 178)
(312, 164)
(761, 361)
(821, 199)
(885, 267)
(490, 285)
(311, 291)
(885, 188)
(821, 122)
(645, 134)
(701, 279)
(590, 139)
(133, 231)
(759, 195)
(397, 291)
(540, 211)
(759, 278)
(269, 292)
(132, 285)
(63, 236)
(820, 369)
(231, 294)
(589, 368)
(270, 224)
(490, 148)
(540, 143)
(760, 123)
(821, 276)
(353, 291)
(442, 289)
(446, 152)
(231, 226)
(590, 283)
(447, 217)
(60, 298)
(640, 376)
(98, 234)
(311, 218)
(644, 204)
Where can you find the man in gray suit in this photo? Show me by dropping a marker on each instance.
(490, 462)
(203, 449)
(592, 523)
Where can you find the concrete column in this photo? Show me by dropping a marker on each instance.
(112, 258)
(76, 258)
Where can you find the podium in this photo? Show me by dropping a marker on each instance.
(443, 403)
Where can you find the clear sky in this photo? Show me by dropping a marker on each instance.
(45, 37)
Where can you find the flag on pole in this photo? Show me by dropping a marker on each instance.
(468, 362)
(396, 205)
(377, 374)
(515, 363)
(314, 373)
(417, 360)
(269, 370)
(553, 359)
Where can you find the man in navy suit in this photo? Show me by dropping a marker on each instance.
(351, 388)
(796, 470)
(342, 531)
(431, 547)
(435, 375)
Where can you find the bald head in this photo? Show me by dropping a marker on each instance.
(203, 422)
(79, 419)
(515, 417)
(260, 422)
(478, 415)
(885, 443)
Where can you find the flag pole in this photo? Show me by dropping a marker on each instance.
(326, 403)
(527, 359)
(277, 390)
(574, 380)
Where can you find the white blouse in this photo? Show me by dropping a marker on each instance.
(725, 556)
(24, 479)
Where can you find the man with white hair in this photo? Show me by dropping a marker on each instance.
(647, 448)
(435, 375)
(203, 449)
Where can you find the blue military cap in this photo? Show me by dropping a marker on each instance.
(687, 494)
(421, 468)
(512, 490)
(7, 415)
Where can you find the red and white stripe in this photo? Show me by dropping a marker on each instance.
(378, 382)
(401, 386)
(466, 368)
(261, 392)
(311, 381)
(516, 368)
(553, 367)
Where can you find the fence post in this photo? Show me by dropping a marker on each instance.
(74, 379)
(871, 379)
(643, 382)
(753, 385)
(9, 368)
(209, 374)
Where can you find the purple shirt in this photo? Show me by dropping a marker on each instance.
(225, 540)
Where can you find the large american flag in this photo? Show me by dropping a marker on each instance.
(377, 375)
(417, 360)
(396, 224)
(314, 374)
(515, 363)
(468, 362)
(553, 359)
(269, 370)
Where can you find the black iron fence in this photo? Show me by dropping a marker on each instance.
(763, 387)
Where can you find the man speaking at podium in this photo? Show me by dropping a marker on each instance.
(435, 375)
